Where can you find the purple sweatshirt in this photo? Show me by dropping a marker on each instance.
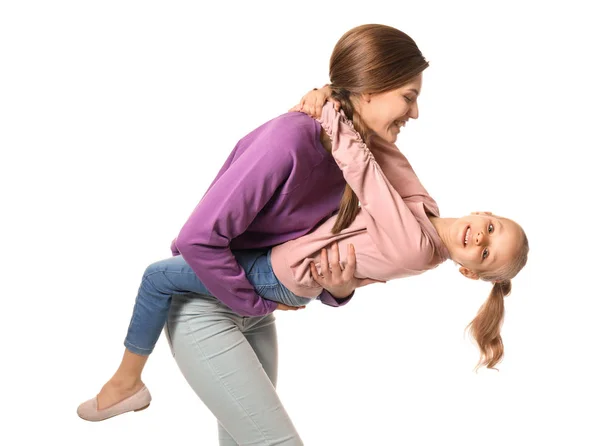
(277, 185)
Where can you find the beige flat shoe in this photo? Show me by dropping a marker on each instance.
(136, 402)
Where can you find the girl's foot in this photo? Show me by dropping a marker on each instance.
(114, 392)
(114, 399)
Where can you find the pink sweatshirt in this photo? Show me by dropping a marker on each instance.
(392, 234)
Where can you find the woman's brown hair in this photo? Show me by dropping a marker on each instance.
(369, 59)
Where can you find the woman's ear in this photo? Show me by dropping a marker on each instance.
(469, 274)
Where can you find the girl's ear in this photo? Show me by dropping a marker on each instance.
(469, 274)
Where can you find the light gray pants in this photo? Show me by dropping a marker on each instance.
(231, 363)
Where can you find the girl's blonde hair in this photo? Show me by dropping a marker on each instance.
(485, 327)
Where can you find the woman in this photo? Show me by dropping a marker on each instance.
(277, 185)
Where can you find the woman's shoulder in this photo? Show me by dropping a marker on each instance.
(295, 132)
(294, 137)
(294, 124)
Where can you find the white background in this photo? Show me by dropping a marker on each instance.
(116, 115)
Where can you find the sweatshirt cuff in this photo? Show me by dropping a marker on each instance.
(270, 304)
(174, 249)
(328, 299)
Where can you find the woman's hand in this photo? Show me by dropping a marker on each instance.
(340, 283)
(285, 307)
(312, 102)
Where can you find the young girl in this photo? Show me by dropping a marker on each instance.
(397, 233)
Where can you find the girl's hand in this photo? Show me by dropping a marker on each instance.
(312, 102)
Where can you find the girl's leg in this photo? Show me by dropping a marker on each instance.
(126, 381)
(208, 342)
(262, 337)
(160, 281)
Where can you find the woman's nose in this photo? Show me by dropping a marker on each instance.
(414, 110)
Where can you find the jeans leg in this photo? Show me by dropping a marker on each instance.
(217, 360)
(173, 276)
(224, 438)
(161, 280)
(262, 337)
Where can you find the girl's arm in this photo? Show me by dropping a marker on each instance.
(390, 222)
(312, 102)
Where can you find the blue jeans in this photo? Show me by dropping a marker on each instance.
(173, 276)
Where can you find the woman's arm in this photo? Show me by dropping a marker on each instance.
(226, 210)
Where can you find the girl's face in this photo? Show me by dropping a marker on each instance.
(386, 113)
(483, 242)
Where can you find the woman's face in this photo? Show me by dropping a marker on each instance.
(386, 113)
(483, 242)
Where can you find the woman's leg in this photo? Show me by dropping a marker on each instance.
(262, 337)
(209, 344)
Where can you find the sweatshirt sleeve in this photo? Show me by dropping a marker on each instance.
(390, 222)
(327, 298)
(226, 210)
